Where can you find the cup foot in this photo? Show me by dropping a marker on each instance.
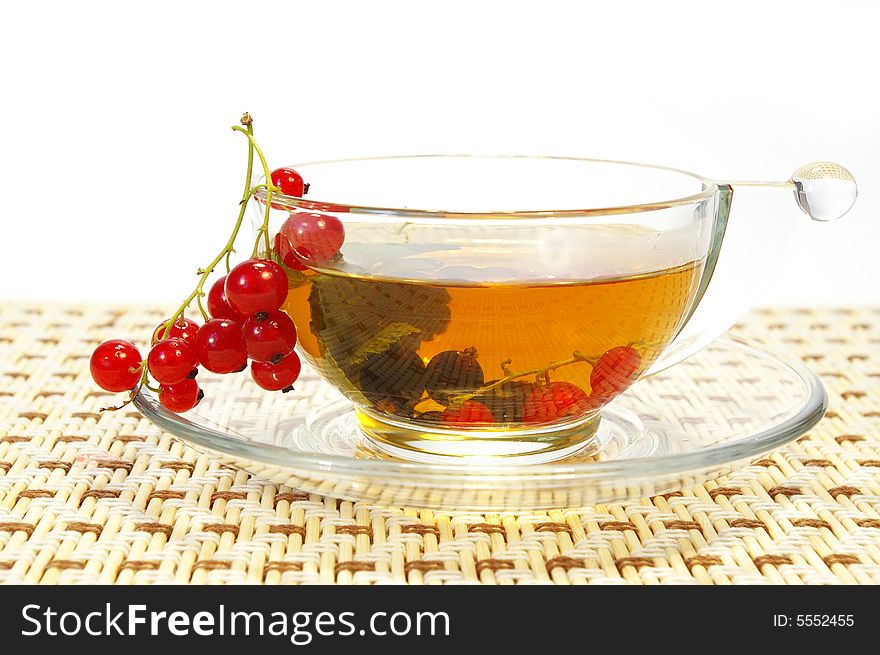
(409, 441)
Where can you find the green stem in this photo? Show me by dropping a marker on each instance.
(198, 292)
(204, 314)
(263, 232)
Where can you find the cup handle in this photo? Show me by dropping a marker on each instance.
(758, 228)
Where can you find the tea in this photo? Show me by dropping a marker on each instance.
(505, 355)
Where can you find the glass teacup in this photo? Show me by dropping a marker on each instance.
(490, 307)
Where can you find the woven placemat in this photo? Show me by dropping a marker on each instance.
(90, 497)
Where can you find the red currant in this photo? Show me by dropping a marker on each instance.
(218, 305)
(182, 328)
(269, 336)
(256, 285)
(171, 361)
(615, 370)
(316, 238)
(277, 377)
(220, 346)
(285, 253)
(289, 181)
(115, 365)
(180, 397)
(470, 413)
(553, 401)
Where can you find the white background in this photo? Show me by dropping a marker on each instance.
(120, 176)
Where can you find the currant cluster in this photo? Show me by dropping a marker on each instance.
(243, 322)
(450, 375)
(246, 324)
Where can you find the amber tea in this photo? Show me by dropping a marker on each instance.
(505, 356)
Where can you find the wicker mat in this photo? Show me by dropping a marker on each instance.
(89, 497)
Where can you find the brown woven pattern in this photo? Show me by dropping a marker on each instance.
(86, 497)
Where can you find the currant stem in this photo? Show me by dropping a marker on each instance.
(576, 356)
(263, 232)
(205, 315)
(198, 292)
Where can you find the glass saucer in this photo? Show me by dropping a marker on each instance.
(698, 420)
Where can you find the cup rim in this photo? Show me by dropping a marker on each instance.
(710, 188)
